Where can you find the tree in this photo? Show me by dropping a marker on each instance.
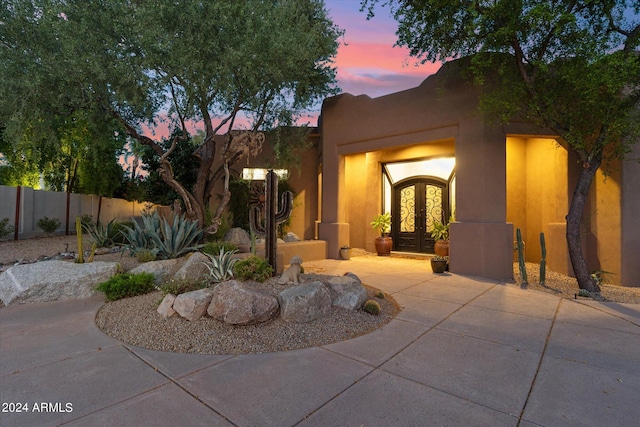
(571, 66)
(237, 67)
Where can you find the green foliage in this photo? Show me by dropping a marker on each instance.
(146, 255)
(253, 268)
(382, 222)
(379, 295)
(178, 238)
(5, 229)
(177, 287)
(138, 236)
(103, 235)
(440, 231)
(127, 285)
(213, 248)
(221, 266)
(48, 225)
(372, 307)
(521, 264)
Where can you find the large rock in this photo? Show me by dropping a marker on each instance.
(237, 236)
(162, 270)
(193, 305)
(239, 304)
(165, 309)
(193, 268)
(346, 292)
(291, 237)
(53, 280)
(305, 303)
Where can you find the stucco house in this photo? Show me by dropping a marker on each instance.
(426, 153)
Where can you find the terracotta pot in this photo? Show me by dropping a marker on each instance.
(441, 247)
(383, 246)
(438, 266)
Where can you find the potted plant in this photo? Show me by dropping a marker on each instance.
(345, 252)
(382, 223)
(439, 263)
(440, 234)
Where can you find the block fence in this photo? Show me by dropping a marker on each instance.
(24, 206)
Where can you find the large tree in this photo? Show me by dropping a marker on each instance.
(571, 66)
(237, 67)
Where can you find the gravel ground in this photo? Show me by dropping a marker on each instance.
(135, 320)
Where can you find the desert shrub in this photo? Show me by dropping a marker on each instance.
(5, 229)
(253, 268)
(127, 285)
(221, 266)
(371, 307)
(146, 255)
(379, 295)
(213, 248)
(48, 225)
(181, 286)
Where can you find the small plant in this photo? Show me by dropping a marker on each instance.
(440, 231)
(138, 237)
(176, 239)
(5, 229)
(382, 223)
(86, 219)
(221, 266)
(48, 225)
(600, 276)
(440, 258)
(177, 287)
(379, 295)
(103, 235)
(214, 247)
(146, 255)
(127, 285)
(80, 258)
(253, 268)
(372, 307)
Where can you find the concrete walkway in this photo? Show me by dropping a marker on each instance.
(463, 351)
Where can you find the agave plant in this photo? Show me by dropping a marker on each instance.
(221, 266)
(139, 237)
(176, 239)
(103, 235)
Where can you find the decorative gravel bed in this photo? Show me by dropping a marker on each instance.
(135, 321)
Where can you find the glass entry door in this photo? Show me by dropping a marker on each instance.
(417, 204)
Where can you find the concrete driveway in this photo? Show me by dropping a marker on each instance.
(464, 351)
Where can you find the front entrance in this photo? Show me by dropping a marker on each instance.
(417, 204)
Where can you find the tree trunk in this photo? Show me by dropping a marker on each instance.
(574, 219)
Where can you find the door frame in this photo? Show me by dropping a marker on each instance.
(423, 241)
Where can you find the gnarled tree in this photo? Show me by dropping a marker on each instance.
(236, 67)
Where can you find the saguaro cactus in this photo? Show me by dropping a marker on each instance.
(273, 217)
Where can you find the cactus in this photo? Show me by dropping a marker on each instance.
(273, 217)
(80, 258)
(372, 307)
(523, 270)
(543, 261)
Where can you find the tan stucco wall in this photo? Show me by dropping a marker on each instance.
(630, 219)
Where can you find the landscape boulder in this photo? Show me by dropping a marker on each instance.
(305, 303)
(162, 270)
(237, 303)
(238, 236)
(53, 280)
(346, 292)
(193, 305)
(291, 237)
(193, 268)
(165, 309)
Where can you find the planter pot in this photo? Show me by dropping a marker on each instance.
(383, 246)
(438, 266)
(345, 254)
(441, 247)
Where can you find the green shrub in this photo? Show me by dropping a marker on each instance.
(48, 225)
(372, 307)
(253, 268)
(127, 285)
(221, 266)
(177, 287)
(379, 295)
(5, 229)
(146, 255)
(213, 248)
